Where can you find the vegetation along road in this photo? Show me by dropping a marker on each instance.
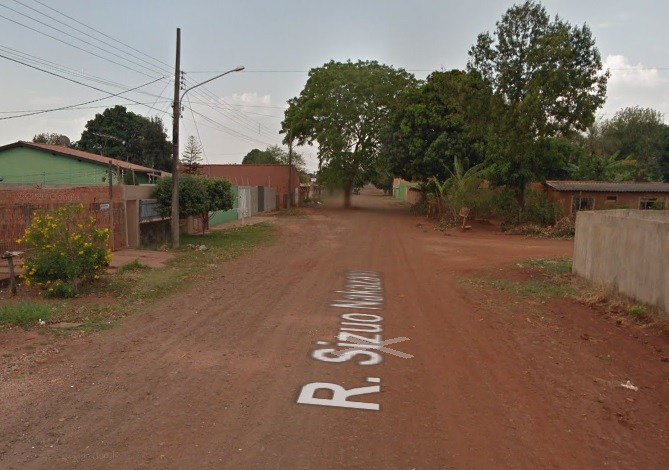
(240, 372)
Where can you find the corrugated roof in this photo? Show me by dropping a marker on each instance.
(608, 187)
(79, 154)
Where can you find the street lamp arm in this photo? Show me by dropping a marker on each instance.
(236, 69)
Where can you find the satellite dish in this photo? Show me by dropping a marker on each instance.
(63, 140)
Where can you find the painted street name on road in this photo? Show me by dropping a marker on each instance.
(363, 291)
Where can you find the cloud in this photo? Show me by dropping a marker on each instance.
(634, 85)
(622, 72)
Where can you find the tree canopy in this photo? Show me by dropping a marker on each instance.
(434, 127)
(51, 138)
(197, 196)
(277, 155)
(343, 107)
(547, 81)
(124, 135)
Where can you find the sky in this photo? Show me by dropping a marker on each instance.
(122, 45)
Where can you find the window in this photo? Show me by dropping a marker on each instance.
(611, 199)
(579, 203)
(647, 202)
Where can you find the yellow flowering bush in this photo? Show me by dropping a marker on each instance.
(66, 248)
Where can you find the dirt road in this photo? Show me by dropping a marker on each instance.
(212, 379)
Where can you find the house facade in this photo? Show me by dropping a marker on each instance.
(32, 163)
(268, 175)
(574, 196)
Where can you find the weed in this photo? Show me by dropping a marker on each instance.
(24, 313)
(134, 265)
(636, 310)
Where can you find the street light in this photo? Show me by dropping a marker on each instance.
(174, 223)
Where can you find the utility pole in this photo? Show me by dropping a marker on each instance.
(290, 168)
(176, 113)
(111, 204)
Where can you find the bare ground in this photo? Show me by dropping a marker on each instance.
(210, 379)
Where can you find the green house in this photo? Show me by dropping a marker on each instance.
(29, 162)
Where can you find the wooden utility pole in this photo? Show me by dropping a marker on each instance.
(111, 205)
(176, 114)
(290, 168)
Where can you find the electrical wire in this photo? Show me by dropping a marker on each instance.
(198, 133)
(162, 69)
(72, 80)
(169, 67)
(79, 104)
(74, 46)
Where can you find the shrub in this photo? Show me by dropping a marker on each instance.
(66, 248)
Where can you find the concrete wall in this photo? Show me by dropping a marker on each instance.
(270, 199)
(626, 249)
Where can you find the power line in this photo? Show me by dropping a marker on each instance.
(198, 132)
(169, 67)
(72, 80)
(72, 45)
(161, 70)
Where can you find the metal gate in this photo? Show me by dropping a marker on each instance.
(261, 198)
(244, 202)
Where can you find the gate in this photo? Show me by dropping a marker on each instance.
(261, 199)
(244, 202)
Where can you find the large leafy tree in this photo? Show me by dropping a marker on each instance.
(638, 134)
(547, 81)
(434, 127)
(275, 154)
(343, 107)
(124, 135)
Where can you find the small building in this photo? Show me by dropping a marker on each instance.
(574, 196)
(401, 189)
(269, 175)
(32, 163)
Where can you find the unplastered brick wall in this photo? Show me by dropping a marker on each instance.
(19, 202)
(11, 194)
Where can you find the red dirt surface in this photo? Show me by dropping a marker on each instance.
(211, 378)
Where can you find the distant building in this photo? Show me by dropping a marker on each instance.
(574, 196)
(269, 175)
(29, 162)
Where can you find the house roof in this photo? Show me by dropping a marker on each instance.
(608, 187)
(79, 155)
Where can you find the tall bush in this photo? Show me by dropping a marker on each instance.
(65, 248)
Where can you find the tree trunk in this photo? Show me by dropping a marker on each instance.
(348, 189)
(520, 197)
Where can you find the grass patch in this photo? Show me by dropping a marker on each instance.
(134, 265)
(134, 286)
(545, 278)
(24, 313)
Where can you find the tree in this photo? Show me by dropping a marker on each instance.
(191, 157)
(424, 137)
(343, 107)
(124, 135)
(257, 156)
(197, 196)
(275, 155)
(51, 138)
(547, 81)
(638, 134)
